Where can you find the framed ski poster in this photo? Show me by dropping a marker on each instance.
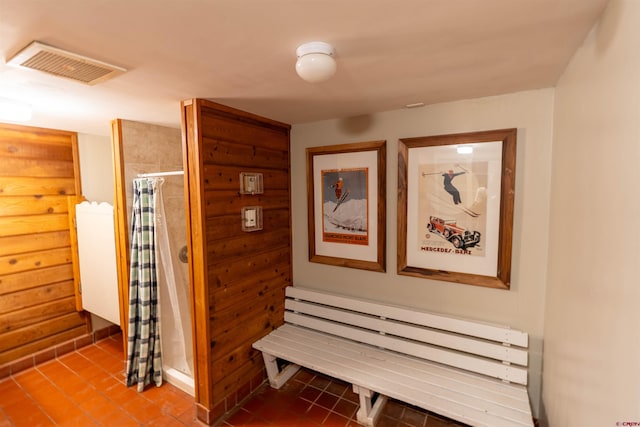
(455, 207)
(346, 187)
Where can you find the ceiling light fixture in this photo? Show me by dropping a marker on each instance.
(315, 62)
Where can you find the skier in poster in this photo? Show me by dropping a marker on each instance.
(448, 186)
(338, 188)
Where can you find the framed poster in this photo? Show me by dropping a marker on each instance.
(455, 207)
(346, 187)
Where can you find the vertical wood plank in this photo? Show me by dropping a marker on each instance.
(196, 243)
(72, 201)
(121, 228)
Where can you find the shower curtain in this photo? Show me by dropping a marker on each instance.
(173, 296)
(144, 359)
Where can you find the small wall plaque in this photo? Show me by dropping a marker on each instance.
(251, 183)
(252, 218)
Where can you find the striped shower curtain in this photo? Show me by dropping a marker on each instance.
(144, 363)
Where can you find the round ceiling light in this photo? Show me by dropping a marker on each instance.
(315, 62)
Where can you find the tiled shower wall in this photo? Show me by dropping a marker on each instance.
(150, 148)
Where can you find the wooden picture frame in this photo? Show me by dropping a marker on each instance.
(455, 207)
(346, 190)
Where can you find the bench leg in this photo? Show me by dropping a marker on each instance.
(367, 414)
(277, 378)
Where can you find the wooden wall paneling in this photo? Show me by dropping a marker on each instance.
(35, 278)
(18, 244)
(227, 271)
(242, 325)
(228, 226)
(16, 263)
(243, 274)
(15, 147)
(33, 187)
(14, 135)
(221, 177)
(236, 384)
(18, 319)
(32, 224)
(218, 203)
(36, 332)
(39, 168)
(234, 153)
(34, 205)
(235, 293)
(43, 343)
(36, 296)
(240, 245)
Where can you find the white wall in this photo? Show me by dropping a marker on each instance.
(96, 167)
(592, 322)
(522, 306)
(96, 175)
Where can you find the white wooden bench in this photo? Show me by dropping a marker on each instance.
(468, 371)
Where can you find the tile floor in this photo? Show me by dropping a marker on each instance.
(86, 388)
(311, 399)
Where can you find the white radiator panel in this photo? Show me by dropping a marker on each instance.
(97, 255)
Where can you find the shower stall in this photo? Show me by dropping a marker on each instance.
(154, 153)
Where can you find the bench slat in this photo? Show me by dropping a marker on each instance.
(507, 394)
(335, 357)
(417, 333)
(440, 355)
(481, 330)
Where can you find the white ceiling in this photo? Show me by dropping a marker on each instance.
(242, 53)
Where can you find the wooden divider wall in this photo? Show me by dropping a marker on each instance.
(38, 171)
(237, 278)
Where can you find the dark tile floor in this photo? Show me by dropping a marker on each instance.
(86, 388)
(311, 399)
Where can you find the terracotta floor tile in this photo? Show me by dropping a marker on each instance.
(111, 345)
(74, 361)
(345, 408)
(337, 388)
(188, 418)
(299, 406)
(304, 376)
(317, 414)
(240, 418)
(310, 394)
(351, 396)
(86, 388)
(393, 409)
(80, 419)
(384, 421)
(26, 413)
(413, 417)
(335, 420)
(10, 392)
(142, 409)
(327, 400)
(30, 379)
(164, 421)
(320, 382)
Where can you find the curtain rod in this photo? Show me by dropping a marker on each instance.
(150, 175)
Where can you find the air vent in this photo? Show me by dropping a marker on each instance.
(61, 63)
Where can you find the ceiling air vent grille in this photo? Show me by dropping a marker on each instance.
(61, 63)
